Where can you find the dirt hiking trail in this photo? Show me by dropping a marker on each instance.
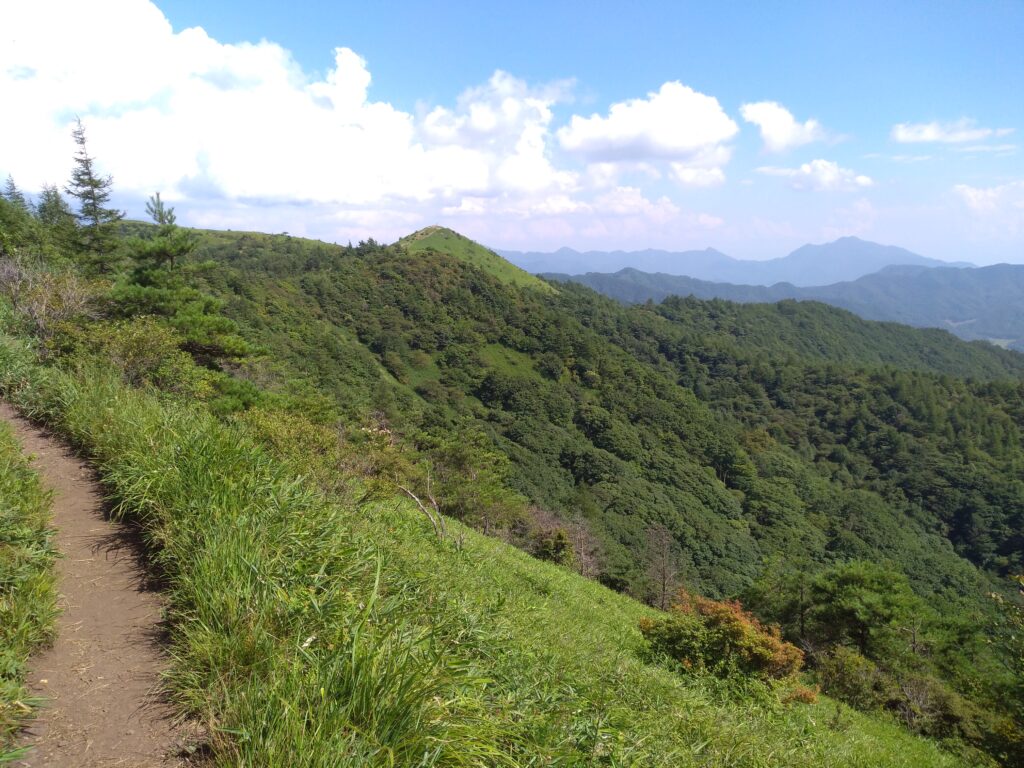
(100, 678)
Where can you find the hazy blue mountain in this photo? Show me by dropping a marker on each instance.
(974, 303)
(706, 262)
(845, 259)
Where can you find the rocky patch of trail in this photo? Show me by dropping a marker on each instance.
(101, 677)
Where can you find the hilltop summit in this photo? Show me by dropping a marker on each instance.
(448, 241)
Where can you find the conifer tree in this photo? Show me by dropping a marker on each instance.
(97, 221)
(14, 195)
(160, 284)
(17, 227)
(53, 209)
(171, 243)
(159, 212)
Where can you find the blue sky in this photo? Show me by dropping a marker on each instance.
(742, 126)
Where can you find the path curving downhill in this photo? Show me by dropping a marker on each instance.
(100, 679)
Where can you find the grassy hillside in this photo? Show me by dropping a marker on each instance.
(28, 598)
(327, 631)
(444, 240)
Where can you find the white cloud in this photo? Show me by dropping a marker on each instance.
(608, 174)
(996, 212)
(958, 132)
(185, 112)
(988, 200)
(509, 120)
(619, 201)
(857, 218)
(822, 175)
(240, 136)
(697, 177)
(628, 201)
(676, 123)
(1002, 149)
(616, 217)
(779, 129)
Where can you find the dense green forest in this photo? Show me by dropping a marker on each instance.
(856, 484)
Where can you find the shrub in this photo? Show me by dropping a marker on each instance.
(43, 298)
(144, 349)
(801, 694)
(852, 678)
(721, 637)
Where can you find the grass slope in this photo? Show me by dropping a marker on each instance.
(28, 598)
(452, 243)
(334, 630)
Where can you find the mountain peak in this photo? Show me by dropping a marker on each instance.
(448, 241)
(430, 230)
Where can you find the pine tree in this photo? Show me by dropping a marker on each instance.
(97, 222)
(171, 243)
(160, 213)
(57, 219)
(17, 227)
(14, 195)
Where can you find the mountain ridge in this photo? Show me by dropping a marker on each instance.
(809, 265)
(976, 304)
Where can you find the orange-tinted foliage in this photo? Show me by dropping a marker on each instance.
(722, 637)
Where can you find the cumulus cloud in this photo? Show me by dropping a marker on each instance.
(822, 175)
(240, 136)
(996, 212)
(510, 120)
(779, 129)
(675, 123)
(958, 132)
(697, 177)
(617, 217)
(988, 200)
(186, 113)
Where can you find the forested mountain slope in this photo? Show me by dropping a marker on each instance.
(742, 429)
(981, 303)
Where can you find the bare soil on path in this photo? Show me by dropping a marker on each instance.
(101, 678)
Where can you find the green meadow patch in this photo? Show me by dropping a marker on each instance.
(28, 598)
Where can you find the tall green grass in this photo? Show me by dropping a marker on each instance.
(315, 629)
(28, 598)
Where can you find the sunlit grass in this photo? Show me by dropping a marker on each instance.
(446, 241)
(311, 629)
(28, 602)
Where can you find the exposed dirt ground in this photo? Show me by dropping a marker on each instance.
(101, 678)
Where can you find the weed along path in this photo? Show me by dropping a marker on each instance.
(100, 677)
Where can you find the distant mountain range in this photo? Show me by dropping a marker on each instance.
(810, 265)
(973, 303)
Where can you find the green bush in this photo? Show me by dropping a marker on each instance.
(145, 349)
(852, 678)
